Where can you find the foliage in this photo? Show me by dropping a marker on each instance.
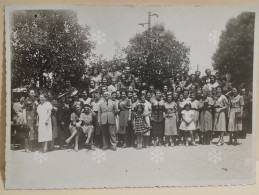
(235, 52)
(155, 54)
(48, 41)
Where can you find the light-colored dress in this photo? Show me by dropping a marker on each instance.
(44, 131)
(220, 116)
(206, 114)
(194, 106)
(235, 124)
(189, 117)
(170, 118)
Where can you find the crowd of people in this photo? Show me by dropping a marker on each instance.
(116, 109)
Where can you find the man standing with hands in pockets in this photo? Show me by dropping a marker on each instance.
(106, 119)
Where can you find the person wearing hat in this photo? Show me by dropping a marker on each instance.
(85, 99)
(106, 119)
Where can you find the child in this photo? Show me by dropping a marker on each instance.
(188, 123)
(87, 124)
(139, 125)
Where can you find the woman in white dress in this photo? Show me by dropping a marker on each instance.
(44, 122)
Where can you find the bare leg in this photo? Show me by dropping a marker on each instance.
(192, 138)
(74, 133)
(90, 133)
(45, 146)
(76, 142)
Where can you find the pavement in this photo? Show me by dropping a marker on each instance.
(199, 165)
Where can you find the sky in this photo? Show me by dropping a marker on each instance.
(191, 25)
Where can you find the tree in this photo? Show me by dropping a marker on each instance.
(234, 54)
(48, 41)
(154, 55)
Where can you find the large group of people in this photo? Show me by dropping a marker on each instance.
(116, 109)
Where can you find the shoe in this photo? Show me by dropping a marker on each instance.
(114, 148)
(187, 144)
(172, 144)
(220, 143)
(105, 148)
(92, 147)
(193, 143)
(166, 145)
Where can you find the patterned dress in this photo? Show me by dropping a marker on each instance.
(220, 116)
(194, 107)
(139, 121)
(170, 118)
(158, 108)
(87, 120)
(235, 124)
(206, 114)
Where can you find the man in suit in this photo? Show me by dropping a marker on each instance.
(106, 119)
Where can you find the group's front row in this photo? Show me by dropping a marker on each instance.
(107, 122)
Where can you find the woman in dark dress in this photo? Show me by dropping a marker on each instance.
(30, 116)
(157, 118)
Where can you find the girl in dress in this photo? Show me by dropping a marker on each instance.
(44, 122)
(171, 119)
(236, 102)
(188, 123)
(139, 125)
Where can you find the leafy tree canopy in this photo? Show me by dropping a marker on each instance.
(155, 54)
(234, 55)
(48, 41)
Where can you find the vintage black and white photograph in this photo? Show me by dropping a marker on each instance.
(130, 96)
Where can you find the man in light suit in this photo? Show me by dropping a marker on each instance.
(106, 119)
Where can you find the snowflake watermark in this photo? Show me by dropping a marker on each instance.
(99, 156)
(156, 156)
(98, 37)
(214, 37)
(40, 157)
(214, 156)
